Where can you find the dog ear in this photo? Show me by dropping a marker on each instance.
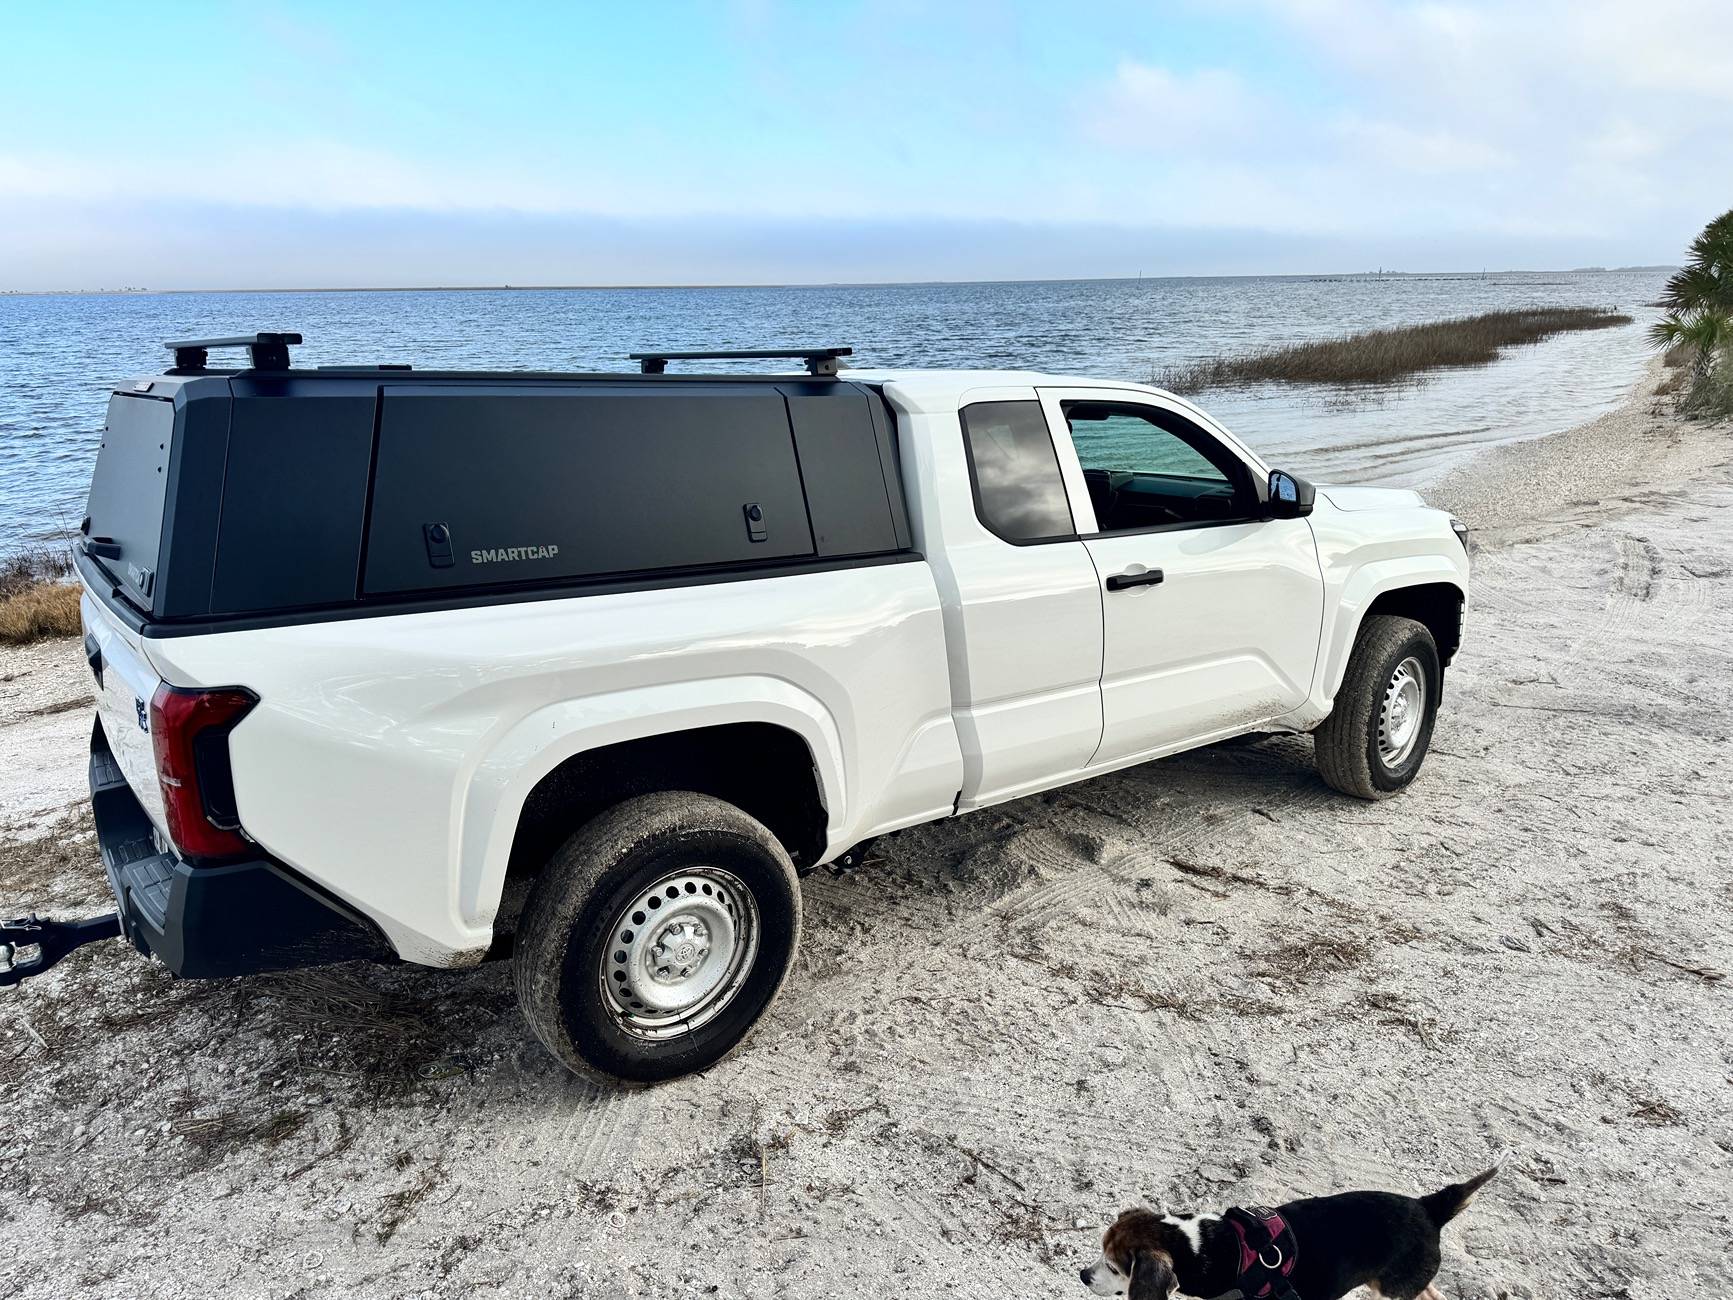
(1151, 1277)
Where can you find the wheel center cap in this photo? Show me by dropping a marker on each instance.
(679, 950)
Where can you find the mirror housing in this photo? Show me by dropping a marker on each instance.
(1290, 496)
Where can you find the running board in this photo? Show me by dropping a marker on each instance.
(52, 941)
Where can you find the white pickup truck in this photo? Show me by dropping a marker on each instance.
(372, 642)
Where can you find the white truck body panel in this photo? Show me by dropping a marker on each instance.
(1227, 641)
(388, 757)
(1364, 554)
(129, 680)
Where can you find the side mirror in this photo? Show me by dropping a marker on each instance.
(1291, 497)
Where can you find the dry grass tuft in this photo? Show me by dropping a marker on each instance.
(1126, 994)
(397, 1208)
(1653, 1110)
(49, 609)
(1303, 961)
(1226, 875)
(36, 601)
(1390, 355)
(1711, 395)
(1674, 383)
(332, 1000)
(60, 866)
(27, 569)
(1399, 1013)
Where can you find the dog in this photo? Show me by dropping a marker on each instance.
(1319, 1248)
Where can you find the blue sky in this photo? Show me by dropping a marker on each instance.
(224, 145)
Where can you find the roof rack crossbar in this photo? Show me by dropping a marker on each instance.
(820, 362)
(265, 351)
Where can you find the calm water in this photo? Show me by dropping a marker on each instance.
(60, 355)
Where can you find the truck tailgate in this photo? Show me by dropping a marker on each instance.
(125, 684)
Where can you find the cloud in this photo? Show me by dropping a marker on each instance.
(1587, 117)
(1160, 111)
(1672, 47)
(1436, 150)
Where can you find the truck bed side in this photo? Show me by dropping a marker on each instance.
(388, 753)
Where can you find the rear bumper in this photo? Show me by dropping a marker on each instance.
(236, 918)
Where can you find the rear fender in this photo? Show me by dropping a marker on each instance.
(509, 769)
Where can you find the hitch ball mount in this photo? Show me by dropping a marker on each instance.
(51, 939)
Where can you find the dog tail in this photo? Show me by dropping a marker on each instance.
(1447, 1202)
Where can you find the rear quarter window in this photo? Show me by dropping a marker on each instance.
(1019, 494)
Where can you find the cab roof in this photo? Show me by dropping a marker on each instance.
(941, 390)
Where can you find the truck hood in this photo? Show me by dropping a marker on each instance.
(1369, 498)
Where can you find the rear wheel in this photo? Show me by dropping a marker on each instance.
(1378, 731)
(657, 937)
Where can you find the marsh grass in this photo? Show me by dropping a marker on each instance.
(1388, 356)
(36, 600)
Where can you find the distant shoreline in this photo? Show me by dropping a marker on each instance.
(836, 284)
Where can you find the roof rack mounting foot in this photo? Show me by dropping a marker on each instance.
(265, 351)
(821, 363)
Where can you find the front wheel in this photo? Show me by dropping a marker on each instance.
(1378, 731)
(657, 937)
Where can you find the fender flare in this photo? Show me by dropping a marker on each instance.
(1364, 586)
(502, 777)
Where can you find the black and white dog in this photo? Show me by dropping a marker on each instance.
(1319, 1248)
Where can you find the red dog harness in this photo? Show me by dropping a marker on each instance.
(1267, 1253)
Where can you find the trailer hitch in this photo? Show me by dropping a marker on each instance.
(51, 939)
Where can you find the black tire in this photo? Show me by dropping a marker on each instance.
(1348, 752)
(565, 932)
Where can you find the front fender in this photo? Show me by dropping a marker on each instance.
(525, 753)
(1362, 586)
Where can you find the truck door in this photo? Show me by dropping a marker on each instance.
(1022, 603)
(1211, 612)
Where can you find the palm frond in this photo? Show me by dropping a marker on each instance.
(1693, 287)
(1709, 331)
(1666, 333)
(1716, 242)
(1706, 279)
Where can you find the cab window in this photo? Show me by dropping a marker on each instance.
(1148, 467)
(1019, 494)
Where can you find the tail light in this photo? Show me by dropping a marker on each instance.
(190, 733)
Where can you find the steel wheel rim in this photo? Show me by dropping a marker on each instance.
(679, 952)
(1401, 713)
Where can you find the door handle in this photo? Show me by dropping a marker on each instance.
(1121, 581)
